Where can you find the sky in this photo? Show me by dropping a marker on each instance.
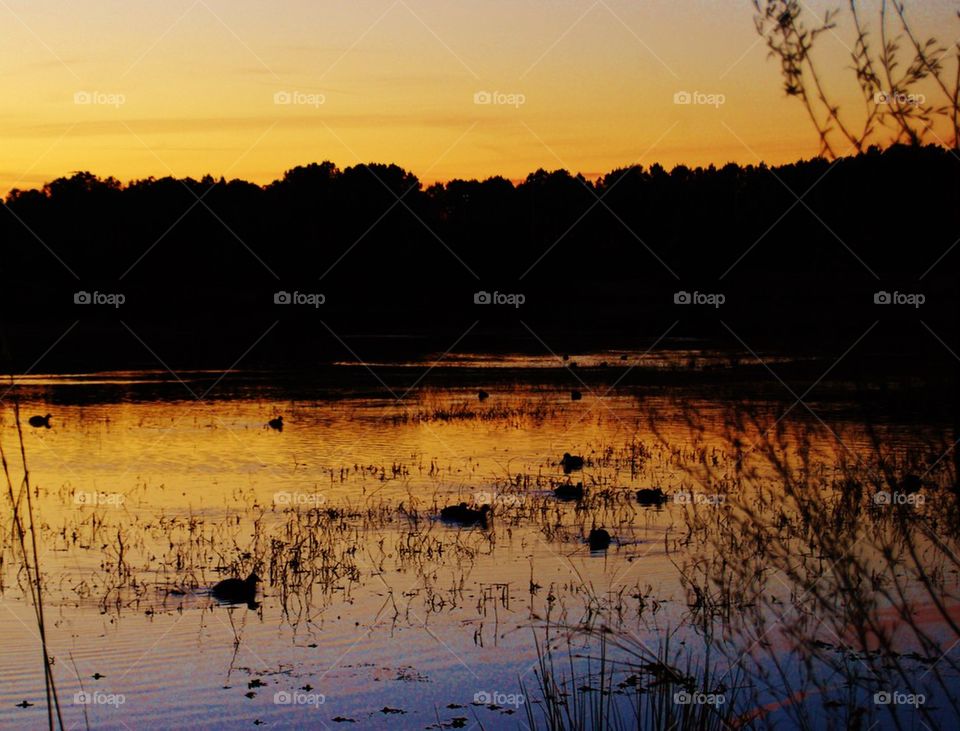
(444, 88)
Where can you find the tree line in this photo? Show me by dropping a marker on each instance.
(790, 241)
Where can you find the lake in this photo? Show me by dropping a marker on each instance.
(789, 571)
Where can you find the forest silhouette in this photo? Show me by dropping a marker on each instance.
(199, 263)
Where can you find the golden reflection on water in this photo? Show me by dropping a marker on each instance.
(142, 502)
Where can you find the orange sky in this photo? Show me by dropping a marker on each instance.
(188, 87)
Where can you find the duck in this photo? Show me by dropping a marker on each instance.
(483, 395)
(651, 496)
(911, 484)
(599, 539)
(571, 463)
(237, 591)
(569, 492)
(464, 515)
(40, 421)
(276, 423)
(575, 395)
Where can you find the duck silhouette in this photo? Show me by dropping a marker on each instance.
(569, 492)
(911, 484)
(599, 539)
(237, 591)
(463, 515)
(276, 423)
(40, 421)
(483, 395)
(575, 395)
(651, 496)
(571, 462)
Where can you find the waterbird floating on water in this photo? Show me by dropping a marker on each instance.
(40, 421)
(599, 539)
(911, 484)
(483, 395)
(237, 591)
(569, 492)
(571, 463)
(276, 423)
(464, 515)
(651, 496)
(575, 395)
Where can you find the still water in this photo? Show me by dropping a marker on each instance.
(148, 489)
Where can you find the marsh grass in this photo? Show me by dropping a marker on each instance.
(626, 685)
(30, 563)
(842, 591)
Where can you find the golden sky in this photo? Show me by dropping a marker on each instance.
(132, 88)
